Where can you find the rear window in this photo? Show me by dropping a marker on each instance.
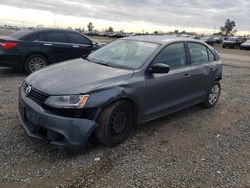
(198, 53)
(78, 39)
(21, 34)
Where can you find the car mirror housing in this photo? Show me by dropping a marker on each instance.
(159, 68)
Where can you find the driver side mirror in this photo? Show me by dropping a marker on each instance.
(159, 68)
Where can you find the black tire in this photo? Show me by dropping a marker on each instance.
(208, 103)
(115, 124)
(223, 46)
(34, 63)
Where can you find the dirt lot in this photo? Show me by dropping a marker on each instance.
(193, 148)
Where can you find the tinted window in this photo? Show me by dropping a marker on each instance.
(210, 56)
(173, 55)
(78, 39)
(55, 37)
(36, 37)
(198, 53)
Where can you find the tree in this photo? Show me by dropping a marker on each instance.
(176, 31)
(90, 26)
(156, 33)
(228, 28)
(110, 29)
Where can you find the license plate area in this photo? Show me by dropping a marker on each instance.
(29, 115)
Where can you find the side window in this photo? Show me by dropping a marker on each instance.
(78, 39)
(35, 37)
(173, 55)
(55, 37)
(211, 56)
(198, 53)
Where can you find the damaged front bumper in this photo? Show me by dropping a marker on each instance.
(64, 132)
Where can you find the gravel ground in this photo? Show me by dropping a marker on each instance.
(193, 148)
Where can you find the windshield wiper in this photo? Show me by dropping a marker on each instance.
(108, 65)
(98, 62)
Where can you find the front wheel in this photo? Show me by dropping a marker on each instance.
(212, 96)
(34, 63)
(115, 124)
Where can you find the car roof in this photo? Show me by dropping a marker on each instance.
(49, 29)
(159, 39)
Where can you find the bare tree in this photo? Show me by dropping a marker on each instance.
(90, 26)
(228, 28)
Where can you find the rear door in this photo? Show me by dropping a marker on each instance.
(81, 45)
(202, 68)
(168, 92)
(56, 47)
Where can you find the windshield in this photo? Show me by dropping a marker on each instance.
(20, 34)
(126, 54)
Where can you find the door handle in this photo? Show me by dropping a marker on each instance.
(75, 46)
(47, 44)
(187, 75)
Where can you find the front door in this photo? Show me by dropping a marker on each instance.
(167, 92)
(81, 46)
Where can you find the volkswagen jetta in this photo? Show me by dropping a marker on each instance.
(129, 81)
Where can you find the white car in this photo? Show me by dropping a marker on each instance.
(245, 45)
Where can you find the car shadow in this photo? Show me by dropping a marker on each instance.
(152, 125)
(6, 72)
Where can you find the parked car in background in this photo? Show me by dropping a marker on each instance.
(208, 40)
(117, 34)
(33, 49)
(218, 39)
(127, 82)
(245, 45)
(233, 42)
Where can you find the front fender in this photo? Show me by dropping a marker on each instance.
(101, 98)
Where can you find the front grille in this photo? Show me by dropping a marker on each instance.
(35, 95)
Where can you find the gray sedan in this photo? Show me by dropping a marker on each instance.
(130, 81)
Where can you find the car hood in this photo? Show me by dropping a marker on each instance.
(76, 77)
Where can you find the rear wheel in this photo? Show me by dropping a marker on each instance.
(115, 124)
(34, 63)
(212, 96)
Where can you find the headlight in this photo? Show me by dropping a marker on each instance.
(71, 101)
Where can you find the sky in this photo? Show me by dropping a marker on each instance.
(130, 15)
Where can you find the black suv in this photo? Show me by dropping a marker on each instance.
(33, 49)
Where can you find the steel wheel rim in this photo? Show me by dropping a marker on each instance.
(118, 122)
(214, 94)
(36, 64)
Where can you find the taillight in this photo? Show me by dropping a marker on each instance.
(8, 45)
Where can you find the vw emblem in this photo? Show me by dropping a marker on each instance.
(27, 91)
